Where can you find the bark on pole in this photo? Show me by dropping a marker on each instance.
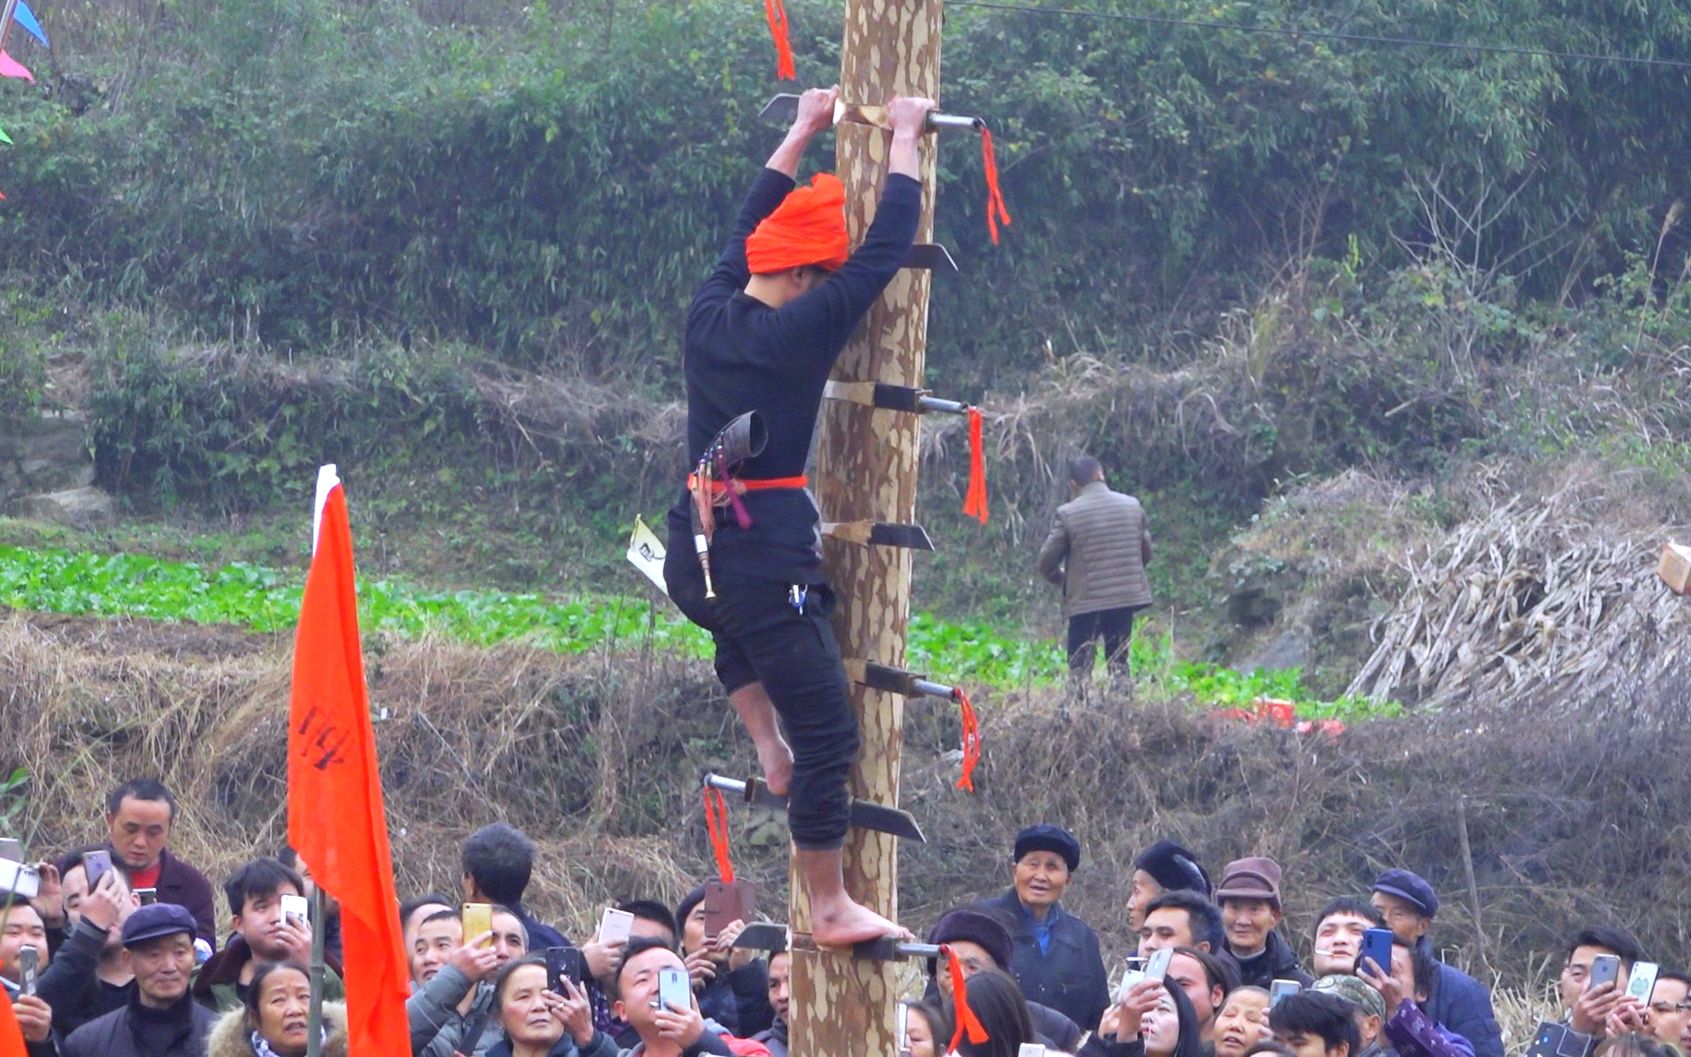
(866, 468)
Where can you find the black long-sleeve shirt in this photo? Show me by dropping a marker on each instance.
(739, 355)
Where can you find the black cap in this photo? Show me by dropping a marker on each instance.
(1174, 867)
(155, 920)
(1046, 837)
(1411, 888)
(978, 927)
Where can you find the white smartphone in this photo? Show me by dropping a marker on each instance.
(1282, 989)
(1156, 966)
(1642, 981)
(615, 926)
(296, 909)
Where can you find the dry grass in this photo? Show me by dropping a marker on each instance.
(1532, 600)
(597, 758)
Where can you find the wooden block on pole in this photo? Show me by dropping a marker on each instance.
(866, 463)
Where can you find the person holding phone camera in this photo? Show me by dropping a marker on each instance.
(88, 976)
(666, 1026)
(1403, 986)
(1456, 1001)
(537, 1021)
(261, 932)
(1591, 1002)
(732, 985)
(23, 937)
(1152, 1018)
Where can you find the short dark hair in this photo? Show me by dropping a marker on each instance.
(1316, 1013)
(72, 860)
(411, 906)
(500, 859)
(140, 789)
(1203, 918)
(1610, 938)
(655, 912)
(1084, 469)
(637, 945)
(260, 877)
(1676, 975)
(1278, 1049)
(1219, 971)
(501, 908)
(254, 994)
(504, 975)
(1423, 966)
(441, 915)
(1362, 908)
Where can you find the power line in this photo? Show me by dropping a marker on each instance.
(1319, 34)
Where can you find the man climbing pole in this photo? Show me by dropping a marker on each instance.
(760, 338)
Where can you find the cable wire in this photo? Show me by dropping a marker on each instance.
(1319, 34)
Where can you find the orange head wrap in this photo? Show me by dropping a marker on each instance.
(808, 227)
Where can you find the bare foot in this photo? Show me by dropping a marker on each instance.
(844, 923)
(776, 759)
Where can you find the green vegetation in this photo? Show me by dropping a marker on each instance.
(549, 182)
(263, 599)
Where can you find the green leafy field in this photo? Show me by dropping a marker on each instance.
(263, 599)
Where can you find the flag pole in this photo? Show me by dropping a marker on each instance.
(6, 21)
(314, 1023)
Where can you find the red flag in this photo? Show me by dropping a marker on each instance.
(11, 1034)
(335, 817)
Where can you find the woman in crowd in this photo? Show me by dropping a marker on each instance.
(275, 1018)
(926, 1030)
(1242, 1022)
(538, 1021)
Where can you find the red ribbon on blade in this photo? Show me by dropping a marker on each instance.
(716, 820)
(775, 12)
(995, 209)
(971, 740)
(967, 1022)
(974, 501)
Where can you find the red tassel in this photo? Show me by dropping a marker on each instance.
(994, 198)
(971, 740)
(967, 1022)
(716, 820)
(775, 12)
(974, 501)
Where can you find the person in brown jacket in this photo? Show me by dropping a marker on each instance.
(1097, 551)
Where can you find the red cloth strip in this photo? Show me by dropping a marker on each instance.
(971, 740)
(716, 820)
(967, 1022)
(974, 501)
(994, 197)
(775, 12)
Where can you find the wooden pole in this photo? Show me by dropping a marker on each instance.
(866, 468)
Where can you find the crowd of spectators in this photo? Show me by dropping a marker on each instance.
(119, 953)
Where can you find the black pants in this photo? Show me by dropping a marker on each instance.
(1115, 626)
(762, 638)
